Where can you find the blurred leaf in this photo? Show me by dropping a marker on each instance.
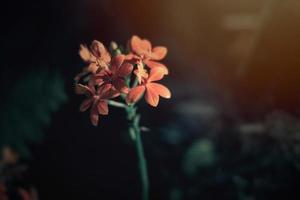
(199, 154)
(27, 109)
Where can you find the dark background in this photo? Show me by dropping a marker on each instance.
(245, 73)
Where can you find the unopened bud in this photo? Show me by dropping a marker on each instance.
(118, 51)
(113, 46)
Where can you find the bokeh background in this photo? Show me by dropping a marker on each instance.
(230, 131)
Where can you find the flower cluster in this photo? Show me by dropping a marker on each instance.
(129, 75)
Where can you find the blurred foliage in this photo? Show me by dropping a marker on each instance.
(200, 154)
(27, 108)
(227, 157)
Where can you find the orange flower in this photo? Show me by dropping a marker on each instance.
(142, 50)
(97, 57)
(114, 77)
(95, 99)
(153, 90)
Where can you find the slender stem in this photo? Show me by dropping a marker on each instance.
(135, 133)
(142, 163)
(116, 104)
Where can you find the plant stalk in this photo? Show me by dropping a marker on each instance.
(135, 132)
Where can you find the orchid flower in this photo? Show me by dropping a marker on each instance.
(96, 100)
(153, 90)
(107, 78)
(141, 50)
(97, 56)
(114, 77)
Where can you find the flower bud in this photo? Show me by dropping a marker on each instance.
(113, 46)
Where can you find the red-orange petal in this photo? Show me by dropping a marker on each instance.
(98, 80)
(135, 94)
(156, 74)
(154, 64)
(159, 53)
(129, 56)
(94, 115)
(97, 48)
(82, 89)
(117, 62)
(132, 58)
(107, 91)
(106, 57)
(151, 96)
(139, 46)
(160, 89)
(125, 70)
(99, 77)
(135, 44)
(121, 85)
(146, 45)
(100, 52)
(93, 68)
(85, 104)
(78, 77)
(84, 53)
(104, 90)
(103, 108)
(114, 93)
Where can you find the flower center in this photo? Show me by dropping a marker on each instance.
(96, 97)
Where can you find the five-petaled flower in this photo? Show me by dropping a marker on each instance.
(153, 90)
(97, 56)
(107, 77)
(96, 99)
(141, 50)
(114, 77)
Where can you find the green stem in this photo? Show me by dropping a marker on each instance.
(142, 163)
(135, 133)
(116, 104)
